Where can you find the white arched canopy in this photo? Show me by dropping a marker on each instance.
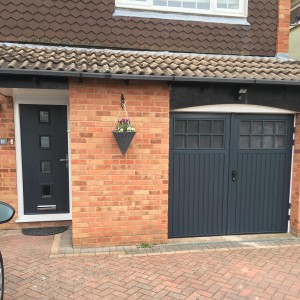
(235, 108)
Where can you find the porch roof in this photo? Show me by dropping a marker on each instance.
(106, 63)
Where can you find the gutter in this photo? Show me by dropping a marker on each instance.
(109, 76)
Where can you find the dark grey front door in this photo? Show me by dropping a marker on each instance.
(229, 174)
(44, 158)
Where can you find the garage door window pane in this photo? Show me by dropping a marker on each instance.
(180, 126)
(280, 127)
(268, 141)
(280, 142)
(245, 142)
(245, 127)
(205, 126)
(179, 142)
(218, 127)
(193, 127)
(205, 141)
(193, 142)
(256, 142)
(218, 142)
(269, 127)
(257, 127)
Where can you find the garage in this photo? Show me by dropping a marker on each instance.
(229, 173)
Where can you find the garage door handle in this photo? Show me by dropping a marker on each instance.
(234, 175)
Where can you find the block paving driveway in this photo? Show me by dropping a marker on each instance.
(232, 273)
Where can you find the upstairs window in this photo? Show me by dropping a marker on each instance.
(234, 8)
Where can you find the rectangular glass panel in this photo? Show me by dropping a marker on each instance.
(257, 127)
(228, 4)
(245, 127)
(205, 141)
(44, 116)
(160, 2)
(179, 142)
(218, 127)
(233, 4)
(280, 127)
(193, 127)
(205, 126)
(268, 142)
(180, 126)
(189, 3)
(192, 142)
(245, 142)
(280, 142)
(46, 166)
(269, 127)
(203, 4)
(218, 141)
(174, 3)
(46, 191)
(45, 142)
(256, 141)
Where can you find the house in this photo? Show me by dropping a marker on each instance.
(208, 87)
(294, 48)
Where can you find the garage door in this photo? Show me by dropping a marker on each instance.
(229, 174)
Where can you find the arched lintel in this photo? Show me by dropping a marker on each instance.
(236, 108)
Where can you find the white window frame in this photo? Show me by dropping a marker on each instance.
(214, 11)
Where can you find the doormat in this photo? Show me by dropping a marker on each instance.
(44, 231)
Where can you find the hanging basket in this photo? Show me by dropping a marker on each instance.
(123, 139)
(124, 132)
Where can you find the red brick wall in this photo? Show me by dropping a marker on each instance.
(8, 177)
(295, 201)
(119, 200)
(283, 26)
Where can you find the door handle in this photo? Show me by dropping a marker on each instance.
(66, 160)
(234, 175)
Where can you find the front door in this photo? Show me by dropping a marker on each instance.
(229, 174)
(44, 145)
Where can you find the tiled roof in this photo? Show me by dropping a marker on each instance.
(67, 61)
(93, 23)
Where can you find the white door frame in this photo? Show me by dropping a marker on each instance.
(38, 97)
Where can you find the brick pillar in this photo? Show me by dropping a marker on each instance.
(119, 200)
(295, 205)
(8, 177)
(283, 30)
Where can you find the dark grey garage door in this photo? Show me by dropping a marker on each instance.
(229, 174)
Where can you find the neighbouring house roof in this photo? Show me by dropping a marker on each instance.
(86, 62)
(94, 23)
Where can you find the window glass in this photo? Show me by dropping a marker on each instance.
(203, 4)
(189, 3)
(199, 134)
(44, 116)
(45, 142)
(210, 7)
(46, 191)
(46, 166)
(228, 4)
(258, 134)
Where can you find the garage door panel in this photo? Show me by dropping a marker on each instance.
(198, 175)
(198, 197)
(261, 155)
(255, 204)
